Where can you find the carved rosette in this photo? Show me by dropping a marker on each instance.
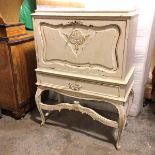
(76, 39)
(75, 86)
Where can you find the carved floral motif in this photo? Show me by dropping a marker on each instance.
(76, 38)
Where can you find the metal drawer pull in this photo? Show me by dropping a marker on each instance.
(74, 86)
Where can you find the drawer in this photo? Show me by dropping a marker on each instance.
(85, 47)
(83, 87)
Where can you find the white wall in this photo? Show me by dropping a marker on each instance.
(143, 50)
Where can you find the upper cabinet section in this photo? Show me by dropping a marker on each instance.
(93, 39)
(88, 47)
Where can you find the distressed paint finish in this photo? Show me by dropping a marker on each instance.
(85, 55)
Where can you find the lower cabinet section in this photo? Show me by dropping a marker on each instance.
(101, 89)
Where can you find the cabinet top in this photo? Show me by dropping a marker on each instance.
(87, 7)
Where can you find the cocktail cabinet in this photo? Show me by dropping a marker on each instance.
(86, 55)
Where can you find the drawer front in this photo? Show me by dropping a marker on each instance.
(85, 47)
(84, 87)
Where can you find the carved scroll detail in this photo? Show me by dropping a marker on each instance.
(83, 110)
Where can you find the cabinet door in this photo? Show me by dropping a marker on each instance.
(85, 47)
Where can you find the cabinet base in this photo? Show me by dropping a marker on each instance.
(122, 111)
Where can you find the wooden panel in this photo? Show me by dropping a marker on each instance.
(7, 91)
(17, 61)
(10, 10)
(84, 46)
(24, 63)
(15, 30)
(12, 30)
(130, 45)
(61, 3)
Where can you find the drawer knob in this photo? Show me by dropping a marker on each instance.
(75, 86)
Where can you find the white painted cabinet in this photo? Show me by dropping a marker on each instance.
(88, 55)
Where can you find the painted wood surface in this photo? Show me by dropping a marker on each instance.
(85, 57)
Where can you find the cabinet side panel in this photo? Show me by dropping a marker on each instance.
(24, 63)
(130, 45)
(7, 92)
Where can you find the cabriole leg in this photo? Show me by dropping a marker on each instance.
(38, 101)
(130, 101)
(121, 123)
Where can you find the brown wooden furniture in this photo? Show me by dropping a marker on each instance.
(60, 3)
(17, 64)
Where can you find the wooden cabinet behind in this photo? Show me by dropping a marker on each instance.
(17, 69)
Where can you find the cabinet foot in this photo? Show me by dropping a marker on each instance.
(42, 123)
(118, 146)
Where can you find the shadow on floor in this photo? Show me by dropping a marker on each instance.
(81, 123)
